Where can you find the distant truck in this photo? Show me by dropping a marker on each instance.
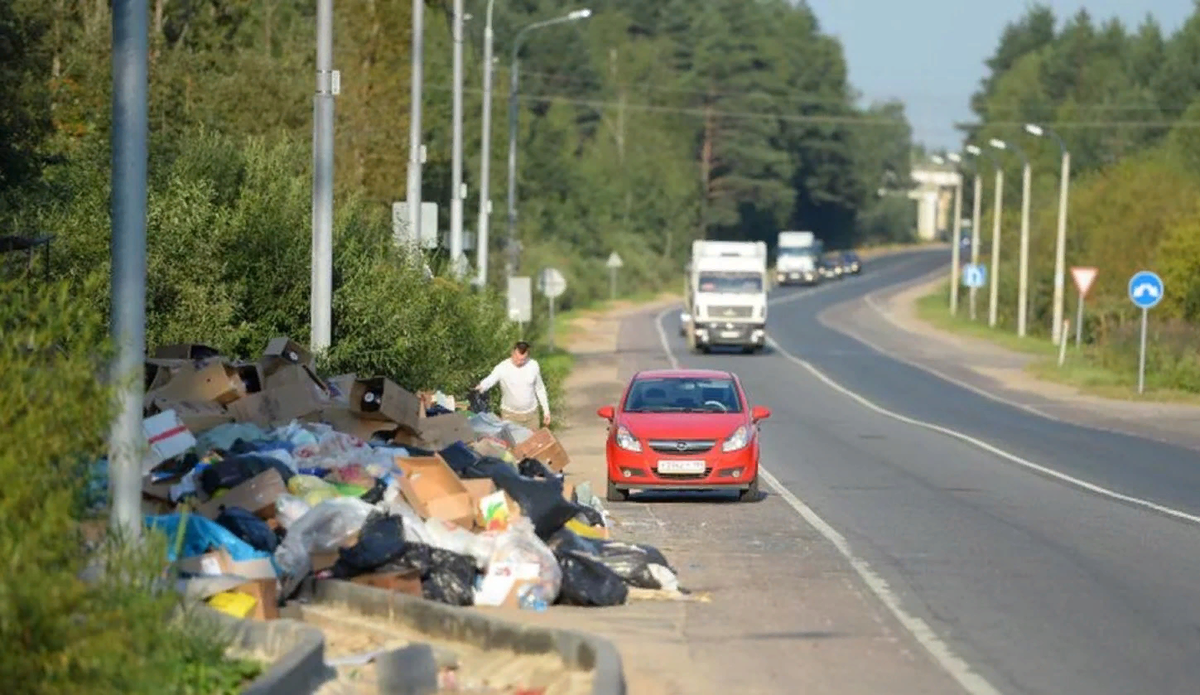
(798, 258)
(725, 298)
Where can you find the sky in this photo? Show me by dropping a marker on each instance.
(930, 53)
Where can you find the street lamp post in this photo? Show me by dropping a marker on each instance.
(415, 148)
(513, 91)
(456, 175)
(955, 252)
(1023, 262)
(997, 210)
(976, 152)
(485, 152)
(1060, 243)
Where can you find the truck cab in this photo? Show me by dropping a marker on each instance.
(726, 299)
(797, 259)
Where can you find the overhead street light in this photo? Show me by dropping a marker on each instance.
(1023, 266)
(514, 90)
(1060, 243)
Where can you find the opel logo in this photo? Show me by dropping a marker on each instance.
(681, 446)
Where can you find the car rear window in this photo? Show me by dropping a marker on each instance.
(682, 394)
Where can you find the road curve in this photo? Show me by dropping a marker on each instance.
(1040, 585)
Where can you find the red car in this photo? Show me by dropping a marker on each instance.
(683, 429)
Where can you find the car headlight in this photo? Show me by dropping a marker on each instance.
(627, 441)
(738, 440)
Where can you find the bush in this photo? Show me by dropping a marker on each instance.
(229, 263)
(63, 634)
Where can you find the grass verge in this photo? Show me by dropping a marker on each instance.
(1089, 368)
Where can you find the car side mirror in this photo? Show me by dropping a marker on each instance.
(607, 412)
(760, 412)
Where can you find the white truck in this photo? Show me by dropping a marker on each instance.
(798, 258)
(725, 299)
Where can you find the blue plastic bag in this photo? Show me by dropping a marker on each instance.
(200, 535)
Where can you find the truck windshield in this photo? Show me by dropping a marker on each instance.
(731, 283)
(797, 252)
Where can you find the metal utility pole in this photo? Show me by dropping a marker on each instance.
(956, 252)
(415, 148)
(997, 209)
(975, 205)
(130, 60)
(485, 152)
(456, 184)
(1023, 273)
(322, 192)
(513, 113)
(1060, 242)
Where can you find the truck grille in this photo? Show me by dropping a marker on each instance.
(682, 446)
(730, 312)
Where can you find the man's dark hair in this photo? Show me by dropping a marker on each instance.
(521, 347)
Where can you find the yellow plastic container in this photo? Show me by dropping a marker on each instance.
(234, 603)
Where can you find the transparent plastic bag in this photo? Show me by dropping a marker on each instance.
(457, 539)
(325, 527)
(312, 489)
(289, 509)
(518, 545)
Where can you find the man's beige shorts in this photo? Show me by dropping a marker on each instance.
(528, 420)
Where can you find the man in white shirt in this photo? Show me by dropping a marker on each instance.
(521, 388)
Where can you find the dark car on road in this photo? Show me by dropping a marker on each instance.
(851, 263)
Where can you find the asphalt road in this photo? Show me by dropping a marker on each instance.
(1039, 585)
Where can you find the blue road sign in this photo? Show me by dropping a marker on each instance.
(1145, 289)
(974, 275)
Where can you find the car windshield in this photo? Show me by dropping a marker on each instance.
(731, 283)
(683, 395)
(850, 257)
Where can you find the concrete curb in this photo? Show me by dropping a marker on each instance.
(296, 650)
(577, 650)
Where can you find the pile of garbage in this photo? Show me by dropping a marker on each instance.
(265, 476)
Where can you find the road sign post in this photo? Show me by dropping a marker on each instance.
(1145, 291)
(1083, 277)
(614, 262)
(551, 284)
(974, 276)
(520, 301)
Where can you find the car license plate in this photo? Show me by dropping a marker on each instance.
(730, 334)
(677, 466)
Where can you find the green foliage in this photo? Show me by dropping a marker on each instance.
(1112, 95)
(64, 634)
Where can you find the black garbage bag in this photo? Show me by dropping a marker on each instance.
(234, 470)
(459, 457)
(631, 561)
(249, 528)
(490, 467)
(587, 581)
(436, 409)
(541, 500)
(446, 576)
(380, 541)
(533, 468)
(590, 516)
(477, 402)
(375, 494)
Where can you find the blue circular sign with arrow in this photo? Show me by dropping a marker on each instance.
(1145, 289)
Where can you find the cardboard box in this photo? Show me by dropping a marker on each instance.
(481, 488)
(405, 581)
(251, 376)
(440, 431)
(503, 582)
(434, 491)
(278, 406)
(159, 372)
(257, 496)
(379, 398)
(260, 575)
(166, 437)
(544, 447)
(342, 420)
(213, 380)
(294, 374)
(186, 351)
(198, 417)
(340, 387)
(568, 491)
(284, 351)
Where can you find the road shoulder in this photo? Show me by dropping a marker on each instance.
(888, 320)
(776, 609)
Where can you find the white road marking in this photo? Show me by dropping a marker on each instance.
(941, 653)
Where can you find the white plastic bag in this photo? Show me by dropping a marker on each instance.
(519, 545)
(456, 539)
(321, 530)
(289, 509)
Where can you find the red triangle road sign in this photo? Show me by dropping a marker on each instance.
(1084, 277)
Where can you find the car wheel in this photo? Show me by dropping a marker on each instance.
(616, 494)
(750, 494)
